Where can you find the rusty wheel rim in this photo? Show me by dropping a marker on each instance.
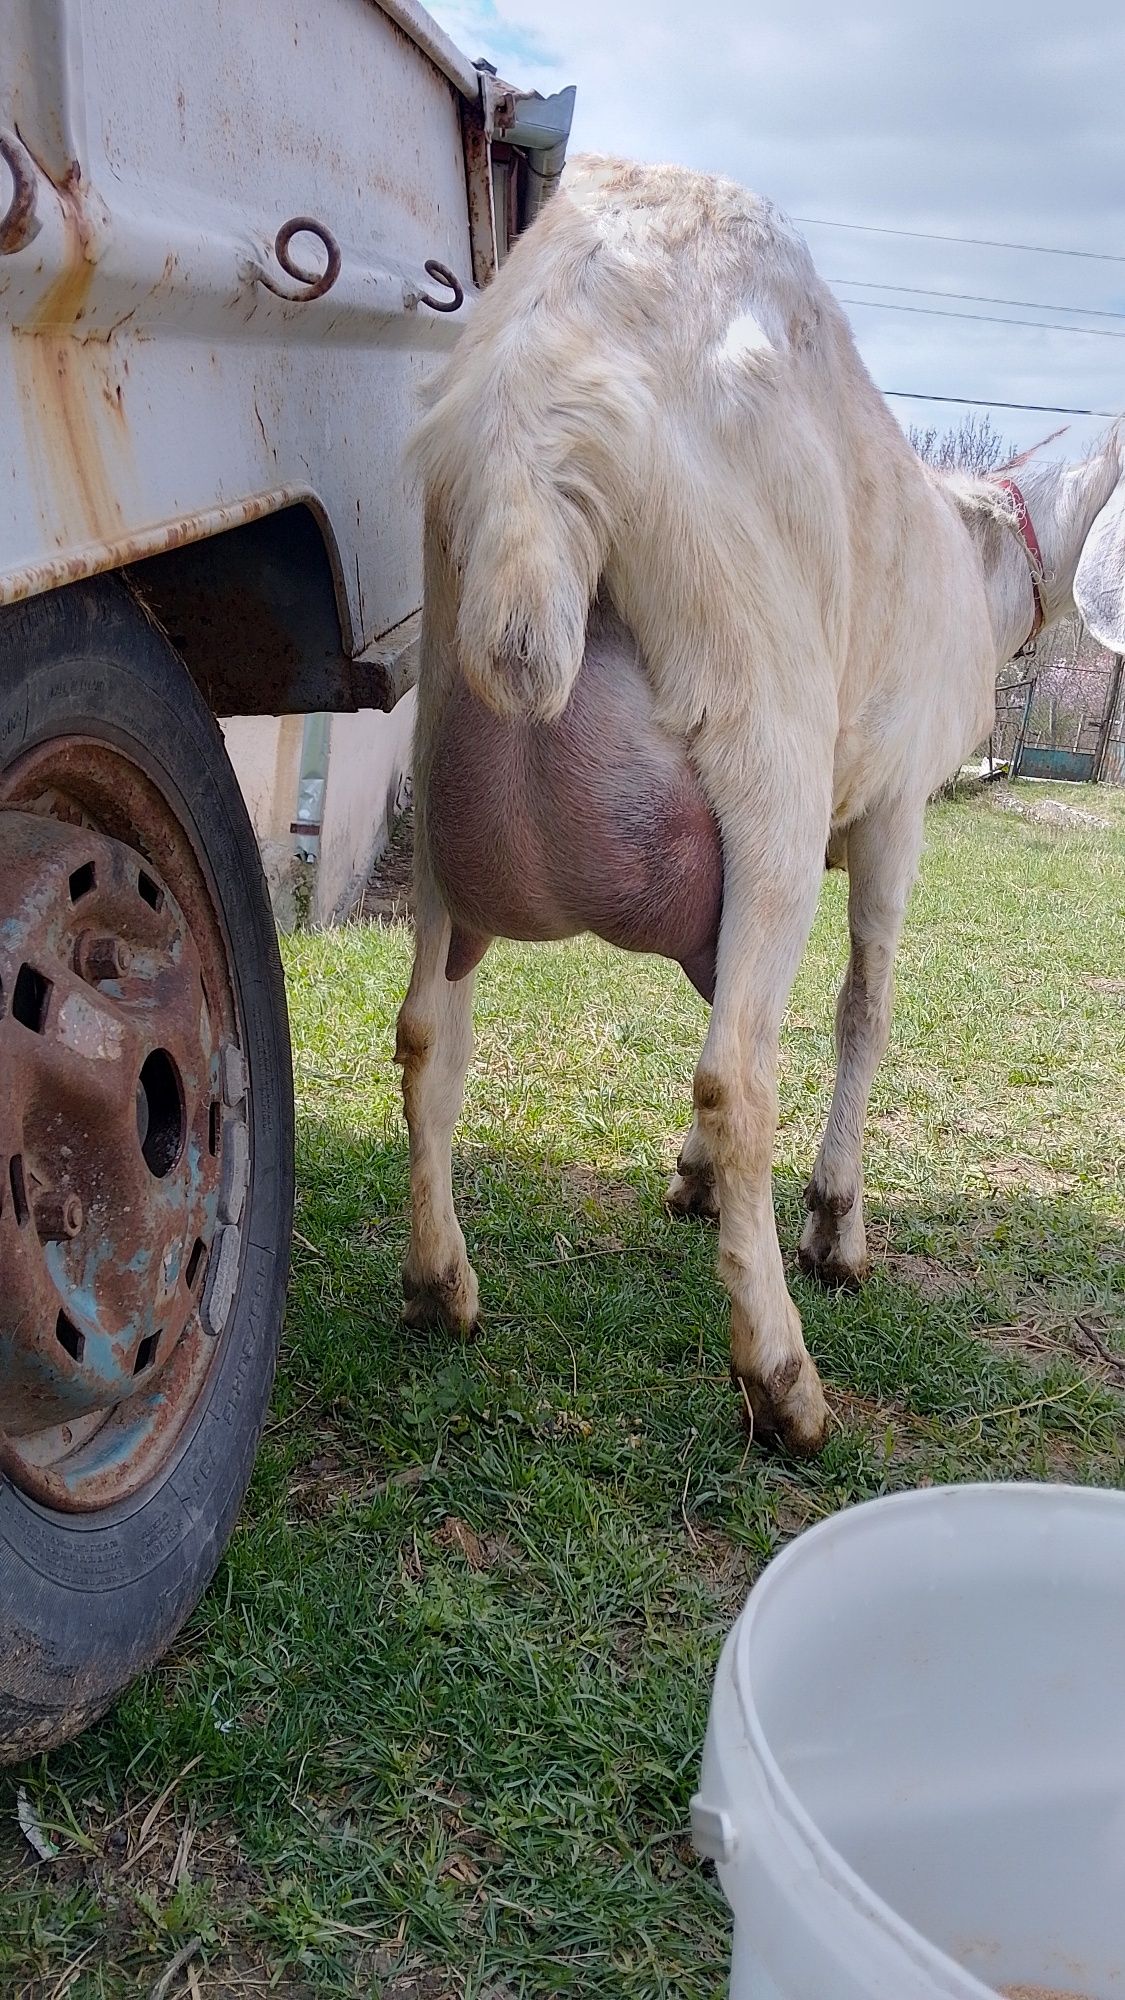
(124, 1147)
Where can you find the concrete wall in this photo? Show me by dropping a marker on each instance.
(266, 753)
(368, 757)
(368, 760)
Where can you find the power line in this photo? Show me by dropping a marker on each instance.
(991, 403)
(979, 298)
(984, 319)
(979, 242)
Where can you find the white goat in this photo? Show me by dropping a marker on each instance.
(659, 401)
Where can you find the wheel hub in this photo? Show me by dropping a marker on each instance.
(123, 1159)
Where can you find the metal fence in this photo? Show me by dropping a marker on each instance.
(1113, 755)
(1061, 723)
(1013, 706)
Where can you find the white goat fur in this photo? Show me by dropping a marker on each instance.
(659, 394)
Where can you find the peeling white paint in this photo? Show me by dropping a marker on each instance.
(89, 1031)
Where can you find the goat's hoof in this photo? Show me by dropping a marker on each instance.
(692, 1195)
(449, 1298)
(831, 1271)
(833, 1247)
(787, 1410)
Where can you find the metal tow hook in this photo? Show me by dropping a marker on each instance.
(442, 275)
(19, 224)
(309, 285)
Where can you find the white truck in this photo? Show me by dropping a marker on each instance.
(233, 240)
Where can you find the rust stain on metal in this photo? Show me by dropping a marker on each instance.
(60, 415)
(114, 397)
(117, 551)
(227, 623)
(62, 305)
(63, 381)
(397, 190)
(478, 184)
(118, 1163)
(257, 617)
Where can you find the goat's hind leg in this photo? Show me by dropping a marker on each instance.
(434, 1044)
(882, 857)
(692, 1190)
(773, 806)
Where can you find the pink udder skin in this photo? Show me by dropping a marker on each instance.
(596, 822)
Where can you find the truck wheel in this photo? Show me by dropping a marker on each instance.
(146, 1154)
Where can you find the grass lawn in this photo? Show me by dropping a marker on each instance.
(433, 1733)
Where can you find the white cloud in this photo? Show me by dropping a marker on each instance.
(986, 118)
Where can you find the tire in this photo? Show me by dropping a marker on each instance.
(88, 1599)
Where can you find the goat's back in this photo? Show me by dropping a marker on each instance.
(658, 395)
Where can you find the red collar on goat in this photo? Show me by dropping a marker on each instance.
(1023, 525)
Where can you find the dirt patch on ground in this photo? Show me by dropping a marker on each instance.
(898, 1433)
(479, 1551)
(591, 1189)
(136, 1861)
(1112, 988)
(932, 1277)
(389, 895)
(1027, 1175)
(897, 1124)
(794, 1509)
(417, 1986)
(925, 1275)
(319, 1486)
(723, 1567)
(1048, 812)
(326, 1482)
(1039, 1337)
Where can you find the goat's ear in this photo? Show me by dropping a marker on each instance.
(1099, 581)
(1021, 457)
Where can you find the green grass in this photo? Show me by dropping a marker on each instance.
(448, 1692)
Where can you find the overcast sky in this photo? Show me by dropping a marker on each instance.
(989, 120)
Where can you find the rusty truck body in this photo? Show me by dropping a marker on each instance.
(233, 240)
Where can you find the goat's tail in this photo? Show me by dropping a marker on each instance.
(529, 454)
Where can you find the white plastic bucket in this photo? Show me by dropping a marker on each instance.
(914, 1776)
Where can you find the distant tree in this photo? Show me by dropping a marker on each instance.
(973, 445)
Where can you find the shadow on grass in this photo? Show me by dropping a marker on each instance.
(1000, 1315)
(440, 1716)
